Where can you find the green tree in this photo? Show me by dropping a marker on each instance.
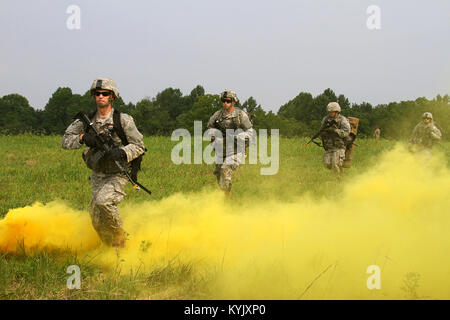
(202, 110)
(151, 119)
(17, 115)
(60, 110)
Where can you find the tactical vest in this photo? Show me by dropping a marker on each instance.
(118, 129)
(234, 123)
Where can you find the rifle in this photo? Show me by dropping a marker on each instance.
(105, 143)
(329, 123)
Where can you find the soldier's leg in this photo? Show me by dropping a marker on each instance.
(107, 193)
(230, 164)
(327, 159)
(216, 171)
(337, 158)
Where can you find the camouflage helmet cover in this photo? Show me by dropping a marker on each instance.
(105, 84)
(427, 115)
(228, 94)
(333, 107)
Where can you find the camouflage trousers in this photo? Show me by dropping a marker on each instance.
(107, 193)
(334, 159)
(223, 171)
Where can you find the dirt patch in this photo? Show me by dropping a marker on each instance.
(31, 162)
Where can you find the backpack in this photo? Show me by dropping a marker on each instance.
(350, 141)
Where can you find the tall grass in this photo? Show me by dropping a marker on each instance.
(36, 168)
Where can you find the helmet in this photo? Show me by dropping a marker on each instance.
(333, 106)
(228, 94)
(105, 84)
(427, 115)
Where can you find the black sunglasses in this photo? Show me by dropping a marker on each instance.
(226, 100)
(105, 94)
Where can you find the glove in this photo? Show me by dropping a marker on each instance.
(89, 140)
(117, 154)
(331, 130)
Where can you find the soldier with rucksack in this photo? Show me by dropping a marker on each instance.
(334, 132)
(108, 181)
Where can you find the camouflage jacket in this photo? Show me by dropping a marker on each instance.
(238, 119)
(376, 133)
(336, 137)
(425, 135)
(133, 150)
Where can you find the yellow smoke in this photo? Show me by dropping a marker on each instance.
(394, 216)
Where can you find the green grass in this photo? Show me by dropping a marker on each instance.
(36, 168)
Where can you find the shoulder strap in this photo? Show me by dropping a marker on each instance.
(118, 127)
(90, 116)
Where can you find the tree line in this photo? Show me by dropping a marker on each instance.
(170, 109)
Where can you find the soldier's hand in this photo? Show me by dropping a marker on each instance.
(89, 140)
(118, 154)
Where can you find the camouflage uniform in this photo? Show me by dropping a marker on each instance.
(376, 134)
(334, 142)
(424, 136)
(107, 183)
(231, 156)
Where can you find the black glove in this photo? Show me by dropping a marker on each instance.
(89, 140)
(118, 154)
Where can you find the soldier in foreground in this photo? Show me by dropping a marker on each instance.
(230, 117)
(424, 135)
(334, 131)
(107, 181)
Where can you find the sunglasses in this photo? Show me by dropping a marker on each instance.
(227, 101)
(105, 94)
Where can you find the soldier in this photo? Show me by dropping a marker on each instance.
(107, 182)
(376, 133)
(424, 135)
(335, 130)
(230, 117)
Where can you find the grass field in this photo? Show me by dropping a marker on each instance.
(37, 169)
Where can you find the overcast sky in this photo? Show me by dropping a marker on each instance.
(271, 50)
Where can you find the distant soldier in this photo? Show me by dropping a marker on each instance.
(424, 135)
(334, 132)
(107, 182)
(376, 133)
(230, 117)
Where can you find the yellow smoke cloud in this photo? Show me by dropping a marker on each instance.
(394, 216)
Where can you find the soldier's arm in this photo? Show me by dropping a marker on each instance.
(414, 134)
(435, 133)
(71, 138)
(344, 129)
(246, 126)
(135, 139)
(213, 119)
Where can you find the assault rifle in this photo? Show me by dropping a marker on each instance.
(329, 123)
(105, 144)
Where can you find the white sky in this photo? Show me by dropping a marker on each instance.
(271, 50)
